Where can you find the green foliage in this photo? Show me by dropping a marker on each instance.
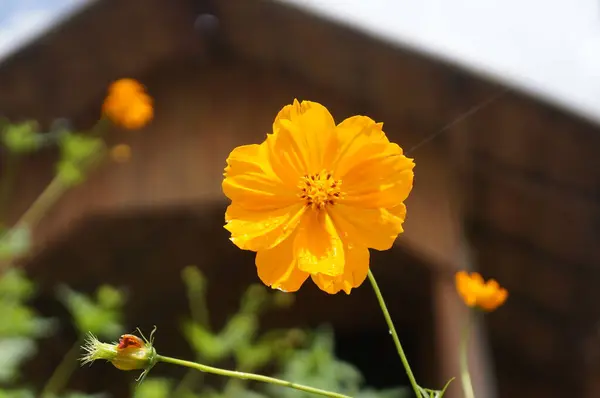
(101, 315)
(22, 137)
(77, 151)
(14, 351)
(154, 388)
(18, 393)
(317, 366)
(240, 340)
(20, 325)
(14, 243)
(428, 393)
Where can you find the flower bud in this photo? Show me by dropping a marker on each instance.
(130, 353)
(128, 105)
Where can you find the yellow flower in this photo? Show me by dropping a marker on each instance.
(315, 196)
(120, 153)
(475, 292)
(128, 105)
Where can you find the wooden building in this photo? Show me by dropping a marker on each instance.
(511, 190)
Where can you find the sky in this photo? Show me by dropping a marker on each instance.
(22, 20)
(550, 48)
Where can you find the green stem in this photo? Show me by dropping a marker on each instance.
(390, 324)
(62, 373)
(465, 376)
(248, 376)
(43, 203)
(36, 211)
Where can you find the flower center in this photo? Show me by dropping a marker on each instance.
(319, 190)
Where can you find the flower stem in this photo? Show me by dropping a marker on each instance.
(62, 373)
(390, 324)
(248, 376)
(43, 203)
(465, 376)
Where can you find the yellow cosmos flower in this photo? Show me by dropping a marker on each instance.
(128, 105)
(475, 292)
(315, 196)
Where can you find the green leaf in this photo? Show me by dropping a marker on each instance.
(20, 393)
(102, 317)
(15, 286)
(70, 173)
(196, 291)
(153, 388)
(20, 320)
(77, 150)
(207, 346)
(318, 367)
(254, 356)
(239, 330)
(254, 300)
(15, 243)
(78, 147)
(194, 279)
(283, 300)
(436, 393)
(399, 392)
(22, 137)
(109, 297)
(14, 351)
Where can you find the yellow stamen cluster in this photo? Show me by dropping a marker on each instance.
(320, 190)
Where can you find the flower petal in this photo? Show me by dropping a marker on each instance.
(355, 272)
(318, 246)
(372, 228)
(251, 183)
(374, 172)
(258, 230)
(301, 135)
(277, 267)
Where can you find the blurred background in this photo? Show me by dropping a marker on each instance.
(509, 187)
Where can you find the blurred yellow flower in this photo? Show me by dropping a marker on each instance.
(315, 196)
(475, 292)
(120, 153)
(128, 105)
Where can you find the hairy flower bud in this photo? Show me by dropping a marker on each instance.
(130, 353)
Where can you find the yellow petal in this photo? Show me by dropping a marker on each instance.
(477, 279)
(251, 183)
(277, 267)
(258, 230)
(301, 136)
(374, 172)
(359, 137)
(373, 228)
(355, 272)
(318, 246)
